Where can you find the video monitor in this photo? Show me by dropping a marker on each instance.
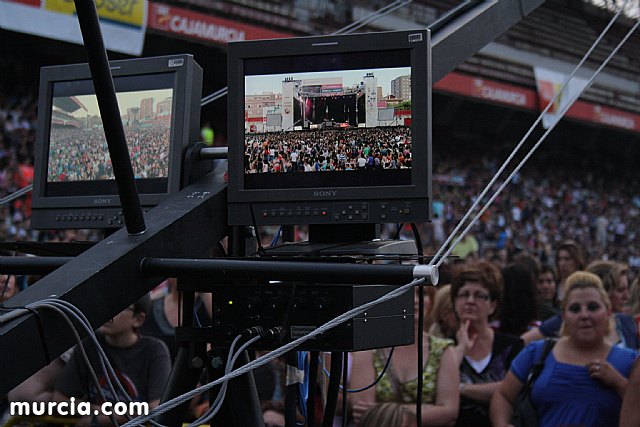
(74, 185)
(330, 130)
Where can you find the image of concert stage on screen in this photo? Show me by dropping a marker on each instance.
(146, 116)
(343, 120)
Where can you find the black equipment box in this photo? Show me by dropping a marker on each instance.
(237, 307)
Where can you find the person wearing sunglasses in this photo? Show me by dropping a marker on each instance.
(483, 354)
(584, 376)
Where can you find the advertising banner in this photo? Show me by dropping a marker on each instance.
(206, 28)
(123, 22)
(549, 83)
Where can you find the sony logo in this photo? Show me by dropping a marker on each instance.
(326, 193)
(101, 201)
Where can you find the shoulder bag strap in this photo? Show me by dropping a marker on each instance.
(537, 368)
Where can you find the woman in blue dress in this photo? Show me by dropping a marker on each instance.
(584, 376)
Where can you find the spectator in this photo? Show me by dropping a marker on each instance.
(442, 319)
(163, 316)
(546, 293)
(629, 413)
(623, 331)
(476, 293)
(518, 307)
(584, 377)
(569, 258)
(8, 287)
(141, 363)
(388, 414)
(440, 391)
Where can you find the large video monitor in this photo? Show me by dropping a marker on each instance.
(74, 185)
(330, 130)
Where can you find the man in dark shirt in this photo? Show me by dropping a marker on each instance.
(142, 364)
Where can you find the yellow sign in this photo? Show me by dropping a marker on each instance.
(127, 12)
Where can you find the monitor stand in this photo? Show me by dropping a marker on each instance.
(346, 240)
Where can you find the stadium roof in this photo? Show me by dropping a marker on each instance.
(68, 103)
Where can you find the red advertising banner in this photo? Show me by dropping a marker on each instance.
(34, 3)
(196, 25)
(489, 90)
(520, 97)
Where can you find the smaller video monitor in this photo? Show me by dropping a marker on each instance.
(74, 185)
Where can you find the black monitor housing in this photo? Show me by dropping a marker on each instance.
(330, 100)
(74, 186)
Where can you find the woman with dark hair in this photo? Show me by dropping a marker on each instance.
(476, 293)
(546, 295)
(569, 258)
(518, 308)
(584, 377)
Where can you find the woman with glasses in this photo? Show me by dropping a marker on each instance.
(484, 355)
(584, 376)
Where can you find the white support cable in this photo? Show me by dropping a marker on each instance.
(18, 193)
(383, 11)
(221, 93)
(517, 148)
(535, 147)
(273, 354)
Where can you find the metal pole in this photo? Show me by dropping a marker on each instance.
(110, 113)
(314, 272)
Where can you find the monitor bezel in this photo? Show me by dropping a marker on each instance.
(370, 43)
(187, 82)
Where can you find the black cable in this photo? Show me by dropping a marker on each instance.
(256, 233)
(291, 394)
(345, 380)
(420, 354)
(418, 241)
(287, 315)
(332, 390)
(398, 230)
(373, 384)
(313, 378)
(45, 349)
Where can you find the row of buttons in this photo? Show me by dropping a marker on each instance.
(290, 212)
(113, 219)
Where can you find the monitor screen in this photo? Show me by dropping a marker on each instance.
(330, 122)
(84, 168)
(159, 105)
(316, 122)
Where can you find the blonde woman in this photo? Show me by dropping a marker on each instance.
(584, 377)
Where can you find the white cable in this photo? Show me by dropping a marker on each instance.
(221, 93)
(371, 17)
(83, 354)
(517, 148)
(273, 354)
(535, 147)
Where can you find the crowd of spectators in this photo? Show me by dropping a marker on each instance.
(543, 206)
(329, 150)
(89, 160)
